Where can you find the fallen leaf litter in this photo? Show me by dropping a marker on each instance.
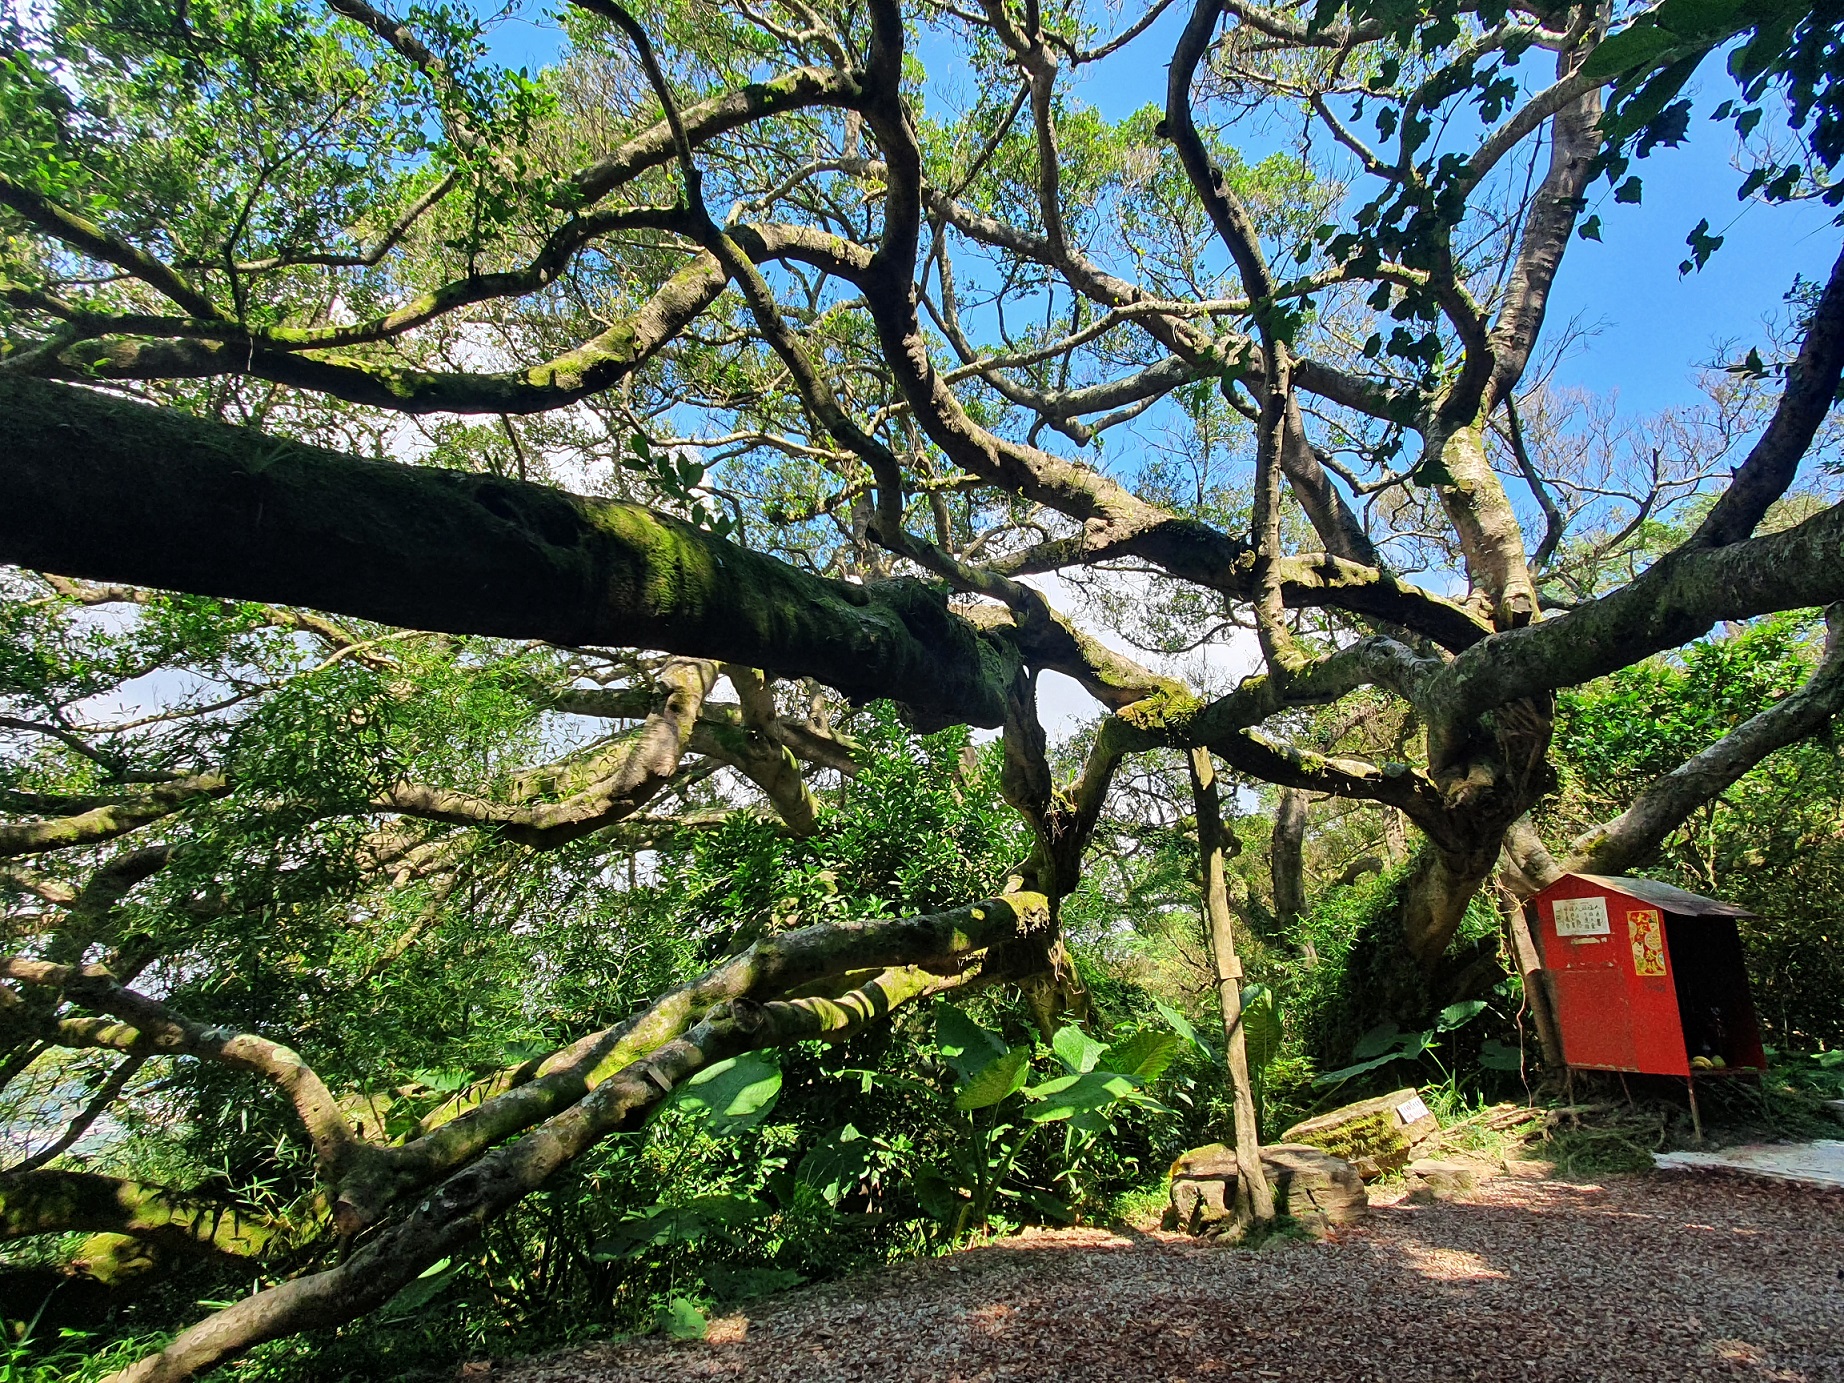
(1636, 1279)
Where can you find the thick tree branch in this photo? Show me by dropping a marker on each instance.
(106, 822)
(110, 491)
(1677, 599)
(1811, 389)
(54, 1202)
(1632, 837)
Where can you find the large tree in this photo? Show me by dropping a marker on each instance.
(728, 340)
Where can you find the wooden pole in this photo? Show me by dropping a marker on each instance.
(1254, 1197)
(1530, 970)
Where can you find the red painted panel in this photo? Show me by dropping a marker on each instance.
(1658, 1029)
(1591, 1010)
(1610, 970)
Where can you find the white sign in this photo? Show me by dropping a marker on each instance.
(1411, 1109)
(1582, 917)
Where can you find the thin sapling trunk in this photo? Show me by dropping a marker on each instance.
(1254, 1197)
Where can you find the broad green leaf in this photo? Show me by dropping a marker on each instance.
(1637, 45)
(836, 1163)
(995, 1081)
(938, 1196)
(425, 1288)
(1769, 42)
(1345, 1073)
(964, 1044)
(731, 1096)
(1182, 1026)
(1377, 1040)
(1144, 1054)
(1460, 1014)
(1067, 1096)
(1076, 1049)
(1702, 18)
(683, 1320)
(1261, 1025)
(1496, 1056)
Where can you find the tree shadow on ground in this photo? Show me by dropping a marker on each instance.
(1637, 1278)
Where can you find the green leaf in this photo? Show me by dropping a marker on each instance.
(1637, 45)
(1496, 1056)
(1076, 1049)
(427, 1286)
(1700, 18)
(1144, 1054)
(1628, 191)
(1377, 1040)
(1067, 1096)
(1051, 1207)
(1431, 470)
(1757, 55)
(1261, 1025)
(964, 1044)
(1182, 1026)
(1460, 1014)
(938, 1196)
(731, 1096)
(1702, 246)
(683, 1319)
(1358, 1068)
(997, 1080)
(1590, 229)
(835, 1164)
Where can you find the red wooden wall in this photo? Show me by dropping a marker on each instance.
(1610, 969)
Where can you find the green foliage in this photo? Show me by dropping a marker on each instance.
(728, 1097)
(998, 1113)
(914, 832)
(1769, 843)
(1387, 1043)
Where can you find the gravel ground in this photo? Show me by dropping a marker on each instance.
(1662, 1277)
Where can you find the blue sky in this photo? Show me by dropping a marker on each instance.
(1651, 328)
(1647, 328)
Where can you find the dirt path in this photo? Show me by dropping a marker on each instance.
(1665, 1277)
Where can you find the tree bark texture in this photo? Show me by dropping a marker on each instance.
(204, 507)
(1254, 1197)
(1286, 856)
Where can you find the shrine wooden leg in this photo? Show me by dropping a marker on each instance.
(1696, 1119)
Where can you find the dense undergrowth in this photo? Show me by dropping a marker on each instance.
(830, 1159)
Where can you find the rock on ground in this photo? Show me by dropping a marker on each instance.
(1311, 1187)
(1639, 1279)
(1377, 1135)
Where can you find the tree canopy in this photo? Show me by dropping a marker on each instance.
(580, 518)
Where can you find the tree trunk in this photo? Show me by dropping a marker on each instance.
(1435, 896)
(1286, 860)
(1254, 1197)
(1530, 970)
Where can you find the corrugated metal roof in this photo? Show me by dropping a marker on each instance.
(1668, 897)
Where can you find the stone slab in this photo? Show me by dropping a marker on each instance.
(1818, 1163)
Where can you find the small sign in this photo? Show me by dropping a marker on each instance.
(1582, 917)
(1647, 929)
(1411, 1109)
